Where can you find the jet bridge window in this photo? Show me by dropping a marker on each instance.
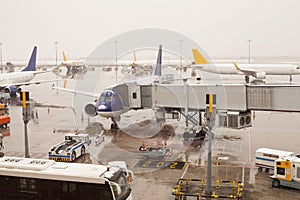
(134, 95)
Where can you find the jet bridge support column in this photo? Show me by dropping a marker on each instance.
(186, 114)
(186, 106)
(26, 117)
(210, 119)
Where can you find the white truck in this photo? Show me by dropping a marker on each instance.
(123, 166)
(74, 146)
(287, 172)
(265, 158)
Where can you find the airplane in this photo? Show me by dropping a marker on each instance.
(259, 71)
(73, 66)
(10, 82)
(136, 68)
(110, 104)
(66, 62)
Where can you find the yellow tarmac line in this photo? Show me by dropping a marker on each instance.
(134, 164)
(186, 168)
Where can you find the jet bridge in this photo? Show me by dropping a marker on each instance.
(234, 102)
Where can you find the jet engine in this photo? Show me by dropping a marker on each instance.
(91, 110)
(12, 90)
(260, 75)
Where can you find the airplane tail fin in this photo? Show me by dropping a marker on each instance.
(236, 66)
(64, 56)
(32, 61)
(134, 57)
(158, 63)
(198, 57)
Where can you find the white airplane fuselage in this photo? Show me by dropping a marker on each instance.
(72, 63)
(16, 77)
(269, 69)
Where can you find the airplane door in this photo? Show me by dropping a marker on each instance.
(146, 96)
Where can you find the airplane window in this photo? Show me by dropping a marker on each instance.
(102, 98)
(108, 98)
(134, 95)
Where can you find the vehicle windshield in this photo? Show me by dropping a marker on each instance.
(121, 180)
(68, 138)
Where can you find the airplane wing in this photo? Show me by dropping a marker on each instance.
(52, 69)
(248, 72)
(89, 94)
(27, 83)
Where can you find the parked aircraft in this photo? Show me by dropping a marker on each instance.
(73, 66)
(66, 62)
(10, 82)
(135, 68)
(110, 104)
(259, 71)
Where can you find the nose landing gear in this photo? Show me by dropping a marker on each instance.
(114, 125)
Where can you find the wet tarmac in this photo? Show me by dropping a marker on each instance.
(60, 113)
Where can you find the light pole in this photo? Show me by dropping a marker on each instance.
(249, 41)
(56, 52)
(55, 43)
(116, 48)
(1, 57)
(181, 53)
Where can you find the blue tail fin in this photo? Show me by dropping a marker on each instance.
(158, 63)
(32, 61)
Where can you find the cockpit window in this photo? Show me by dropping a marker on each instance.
(109, 96)
(102, 98)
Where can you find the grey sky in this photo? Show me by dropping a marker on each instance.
(221, 27)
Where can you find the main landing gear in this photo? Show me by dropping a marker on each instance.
(247, 79)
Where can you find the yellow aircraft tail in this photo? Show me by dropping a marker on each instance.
(198, 57)
(134, 57)
(236, 66)
(64, 56)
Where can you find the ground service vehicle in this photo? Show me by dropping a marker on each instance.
(265, 158)
(4, 121)
(3, 109)
(155, 152)
(26, 178)
(74, 146)
(287, 172)
(123, 166)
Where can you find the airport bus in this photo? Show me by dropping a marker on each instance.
(25, 178)
(265, 158)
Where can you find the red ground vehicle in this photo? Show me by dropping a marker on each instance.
(4, 121)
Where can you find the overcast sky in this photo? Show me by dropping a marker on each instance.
(221, 27)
